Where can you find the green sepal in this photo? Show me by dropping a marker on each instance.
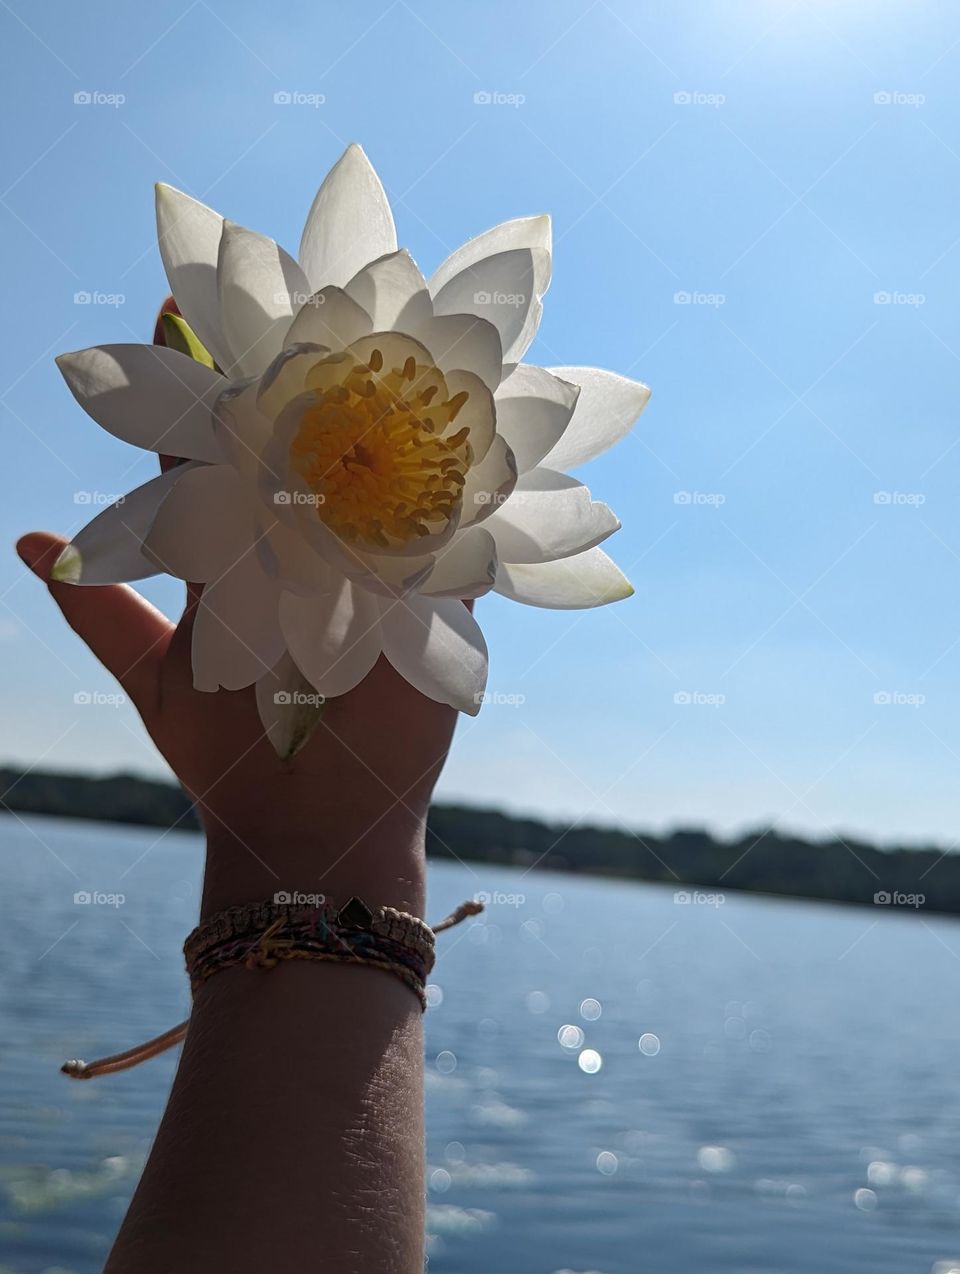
(180, 336)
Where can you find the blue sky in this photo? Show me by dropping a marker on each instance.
(788, 499)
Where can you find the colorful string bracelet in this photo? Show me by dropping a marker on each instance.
(261, 935)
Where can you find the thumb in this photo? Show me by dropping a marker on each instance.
(126, 633)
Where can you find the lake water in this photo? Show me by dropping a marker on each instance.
(746, 1085)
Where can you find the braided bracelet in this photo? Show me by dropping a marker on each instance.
(260, 935)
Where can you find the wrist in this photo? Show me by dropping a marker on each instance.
(340, 854)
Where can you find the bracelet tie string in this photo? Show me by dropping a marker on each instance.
(261, 935)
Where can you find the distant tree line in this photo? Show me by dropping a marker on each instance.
(117, 798)
(765, 861)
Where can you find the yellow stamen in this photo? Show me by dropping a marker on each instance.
(383, 471)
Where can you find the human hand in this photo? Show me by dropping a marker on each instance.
(346, 816)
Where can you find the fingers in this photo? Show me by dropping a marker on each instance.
(126, 633)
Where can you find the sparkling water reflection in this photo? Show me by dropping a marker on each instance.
(614, 1083)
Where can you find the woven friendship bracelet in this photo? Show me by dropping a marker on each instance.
(260, 935)
(238, 924)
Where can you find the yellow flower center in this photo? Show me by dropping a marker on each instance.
(375, 447)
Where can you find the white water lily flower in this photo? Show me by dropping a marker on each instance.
(367, 451)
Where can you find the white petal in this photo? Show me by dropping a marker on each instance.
(259, 287)
(236, 632)
(289, 557)
(349, 224)
(522, 232)
(335, 640)
(284, 379)
(462, 342)
(532, 233)
(241, 429)
(467, 568)
(396, 348)
(489, 483)
(188, 233)
(549, 515)
(109, 549)
(390, 576)
(478, 413)
(330, 318)
(147, 395)
(574, 583)
(501, 289)
(289, 707)
(608, 405)
(282, 488)
(205, 524)
(393, 292)
(533, 410)
(437, 645)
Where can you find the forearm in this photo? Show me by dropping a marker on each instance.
(294, 1131)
